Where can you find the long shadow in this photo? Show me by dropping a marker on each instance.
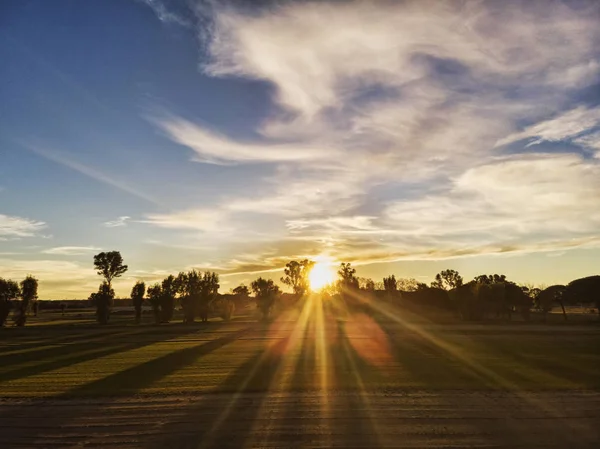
(143, 375)
(126, 382)
(358, 428)
(63, 346)
(226, 417)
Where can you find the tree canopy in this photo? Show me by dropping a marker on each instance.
(109, 265)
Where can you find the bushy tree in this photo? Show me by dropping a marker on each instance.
(366, 284)
(29, 287)
(9, 290)
(347, 277)
(104, 302)
(241, 290)
(137, 297)
(167, 298)
(266, 293)
(296, 275)
(490, 279)
(390, 285)
(154, 294)
(410, 285)
(447, 280)
(197, 290)
(109, 265)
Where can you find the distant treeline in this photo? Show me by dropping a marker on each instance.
(487, 296)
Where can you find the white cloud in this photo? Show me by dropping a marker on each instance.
(566, 125)
(70, 250)
(206, 220)
(216, 149)
(516, 199)
(16, 227)
(119, 222)
(412, 100)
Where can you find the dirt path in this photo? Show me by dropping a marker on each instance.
(338, 419)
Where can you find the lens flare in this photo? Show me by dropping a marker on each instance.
(321, 275)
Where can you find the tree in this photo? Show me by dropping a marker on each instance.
(490, 278)
(546, 298)
(410, 285)
(266, 293)
(347, 275)
(296, 275)
(109, 265)
(390, 285)
(154, 297)
(29, 287)
(137, 297)
(9, 290)
(241, 290)
(447, 280)
(366, 284)
(197, 290)
(167, 298)
(104, 301)
(585, 290)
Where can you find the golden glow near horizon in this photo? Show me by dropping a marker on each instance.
(321, 275)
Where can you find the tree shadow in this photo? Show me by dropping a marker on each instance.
(68, 354)
(136, 378)
(226, 417)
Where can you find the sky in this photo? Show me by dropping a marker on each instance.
(403, 137)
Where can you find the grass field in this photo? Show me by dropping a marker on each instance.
(315, 363)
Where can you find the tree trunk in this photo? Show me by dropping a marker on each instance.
(563, 309)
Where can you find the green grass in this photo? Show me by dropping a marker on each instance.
(69, 357)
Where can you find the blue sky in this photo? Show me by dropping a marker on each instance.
(404, 137)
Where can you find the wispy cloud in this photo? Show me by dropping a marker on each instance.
(389, 122)
(119, 222)
(16, 227)
(86, 170)
(70, 250)
(164, 12)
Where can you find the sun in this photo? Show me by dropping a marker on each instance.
(321, 275)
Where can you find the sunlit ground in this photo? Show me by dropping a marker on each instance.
(335, 372)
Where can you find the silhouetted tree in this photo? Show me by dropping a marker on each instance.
(547, 297)
(390, 285)
(366, 284)
(104, 301)
(137, 297)
(347, 275)
(266, 293)
(447, 280)
(154, 294)
(410, 285)
(585, 290)
(296, 275)
(197, 291)
(9, 290)
(109, 265)
(29, 287)
(241, 290)
(490, 278)
(167, 298)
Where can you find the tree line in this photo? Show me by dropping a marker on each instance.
(197, 293)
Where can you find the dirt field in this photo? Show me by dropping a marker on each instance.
(306, 379)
